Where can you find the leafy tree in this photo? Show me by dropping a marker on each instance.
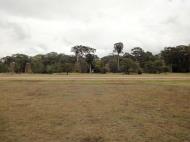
(83, 65)
(38, 64)
(62, 58)
(90, 58)
(139, 55)
(118, 48)
(80, 51)
(129, 56)
(175, 59)
(128, 65)
(67, 67)
(150, 67)
(87, 50)
(178, 58)
(3, 68)
(50, 58)
(7, 60)
(113, 66)
(20, 62)
(100, 67)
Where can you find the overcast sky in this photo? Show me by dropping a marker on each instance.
(40, 26)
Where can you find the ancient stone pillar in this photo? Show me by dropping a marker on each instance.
(28, 68)
(12, 67)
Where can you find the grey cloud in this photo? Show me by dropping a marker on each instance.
(67, 42)
(171, 20)
(42, 46)
(56, 25)
(16, 30)
(47, 9)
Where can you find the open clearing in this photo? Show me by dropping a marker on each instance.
(95, 108)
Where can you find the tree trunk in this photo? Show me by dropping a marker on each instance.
(77, 67)
(90, 68)
(118, 66)
(77, 58)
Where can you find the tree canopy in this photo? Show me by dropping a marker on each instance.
(171, 59)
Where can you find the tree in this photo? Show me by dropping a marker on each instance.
(171, 59)
(81, 51)
(113, 66)
(7, 64)
(178, 58)
(3, 68)
(118, 48)
(90, 59)
(100, 66)
(83, 66)
(78, 51)
(20, 61)
(67, 67)
(156, 66)
(87, 50)
(129, 56)
(38, 64)
(139, 55)
(7, 60)
(128, 65)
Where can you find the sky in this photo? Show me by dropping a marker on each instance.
(40, 26)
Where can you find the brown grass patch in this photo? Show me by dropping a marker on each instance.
(94, 111)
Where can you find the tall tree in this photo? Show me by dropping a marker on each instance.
(118, 48)
(90, 60)
(80, 51)
(77, 50)
(139, 55)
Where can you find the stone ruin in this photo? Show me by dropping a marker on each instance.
(12, 67)
(28, 68)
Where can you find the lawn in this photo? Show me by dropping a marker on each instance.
(99, 108)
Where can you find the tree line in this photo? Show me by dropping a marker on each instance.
(171, 59)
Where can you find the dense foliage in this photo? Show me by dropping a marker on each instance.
(171, 59)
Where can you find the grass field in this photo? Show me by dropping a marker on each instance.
(95, 108)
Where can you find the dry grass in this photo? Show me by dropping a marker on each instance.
(116, 110)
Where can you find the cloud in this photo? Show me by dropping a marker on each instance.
(15, 30)
(41, 26)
